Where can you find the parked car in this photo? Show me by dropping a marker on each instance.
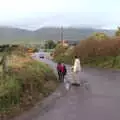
(41, 56)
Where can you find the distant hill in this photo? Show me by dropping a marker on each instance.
(69, 33)
(8, 35)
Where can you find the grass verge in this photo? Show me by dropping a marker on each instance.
(27, 82)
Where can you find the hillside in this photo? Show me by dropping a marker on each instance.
(8, 35)
(69, 33)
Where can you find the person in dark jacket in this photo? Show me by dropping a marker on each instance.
(62, 71)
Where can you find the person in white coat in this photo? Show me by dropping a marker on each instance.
(76, 71)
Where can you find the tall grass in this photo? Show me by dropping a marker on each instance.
(24, 85)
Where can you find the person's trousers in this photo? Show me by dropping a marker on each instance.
(61, 76)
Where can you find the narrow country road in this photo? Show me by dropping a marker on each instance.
(100, 102)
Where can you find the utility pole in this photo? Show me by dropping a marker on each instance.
(61, 32)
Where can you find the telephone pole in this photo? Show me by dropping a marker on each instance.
(61, 32)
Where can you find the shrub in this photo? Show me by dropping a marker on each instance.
(92, 48)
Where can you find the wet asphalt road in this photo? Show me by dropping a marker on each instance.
(100, 102)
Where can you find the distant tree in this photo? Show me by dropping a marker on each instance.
(99, 36)
(118, 32)
(50, 44)
(35, 50)
(59, 49)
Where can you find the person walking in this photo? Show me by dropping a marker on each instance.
(64, 71)
(61, 69)
(76, 71)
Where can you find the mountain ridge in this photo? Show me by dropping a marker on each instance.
(10, 34)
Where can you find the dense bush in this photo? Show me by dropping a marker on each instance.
(92, 48)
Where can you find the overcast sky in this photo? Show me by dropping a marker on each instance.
(33, 14)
